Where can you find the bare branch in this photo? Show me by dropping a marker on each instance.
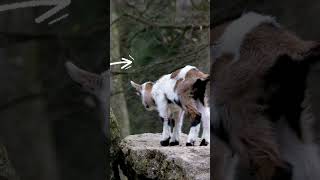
(164, 26)
(21, 99)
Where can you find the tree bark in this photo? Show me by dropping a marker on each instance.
(118, 101)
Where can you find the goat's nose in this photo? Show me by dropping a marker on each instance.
(147, 106)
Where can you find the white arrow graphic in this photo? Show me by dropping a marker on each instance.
(125, 61)
(58, 5)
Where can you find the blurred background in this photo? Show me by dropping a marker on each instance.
(49, 129)
(161, 36)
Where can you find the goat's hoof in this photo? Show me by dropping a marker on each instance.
(174, 143)
(190, 144)
(165, 142)
(204, 143)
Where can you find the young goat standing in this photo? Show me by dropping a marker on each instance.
(183, 91)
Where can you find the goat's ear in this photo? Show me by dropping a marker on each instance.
(91, 82)
(136, 86)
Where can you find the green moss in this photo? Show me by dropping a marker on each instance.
(114, 146)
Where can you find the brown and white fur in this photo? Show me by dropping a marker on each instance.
(264, 119)
(182, 91)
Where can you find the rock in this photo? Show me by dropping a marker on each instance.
(144, 158)
(114, 147)
(7, 172)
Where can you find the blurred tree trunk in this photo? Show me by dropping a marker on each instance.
(118, 101)
(24, 129)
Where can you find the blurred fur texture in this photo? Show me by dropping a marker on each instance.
(97, 85)
(264, 121)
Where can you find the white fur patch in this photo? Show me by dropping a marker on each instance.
(235, 33)
(143, 90)
(163, 89)
(165, 85)
(205, 120)
(183, 72)
(166, 131)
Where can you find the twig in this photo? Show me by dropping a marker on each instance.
(135, 35)
(120, 73)
(21, 36)
(20, 100)
(164, 26)
(180, 56)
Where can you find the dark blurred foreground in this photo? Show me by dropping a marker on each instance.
(49, 127)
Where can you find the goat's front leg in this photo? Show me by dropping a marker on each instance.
(205, 119)
(176, 124)
(164, 115)
(190, 106)
(194, 130)
(165, 132)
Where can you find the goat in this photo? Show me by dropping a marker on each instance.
(183, 91)
(264, 122)
(98, 85)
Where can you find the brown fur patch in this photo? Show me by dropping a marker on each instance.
(184, 88)
(196, 74)
(258, 55)
(148, 86)
(177, 84)
(147, 95)
(258, 41)
(237, 85)
(175, 73)
(185, 92)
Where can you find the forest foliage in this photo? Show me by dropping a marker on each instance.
(161, 36)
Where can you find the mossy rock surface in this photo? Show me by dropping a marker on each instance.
(114, 147)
